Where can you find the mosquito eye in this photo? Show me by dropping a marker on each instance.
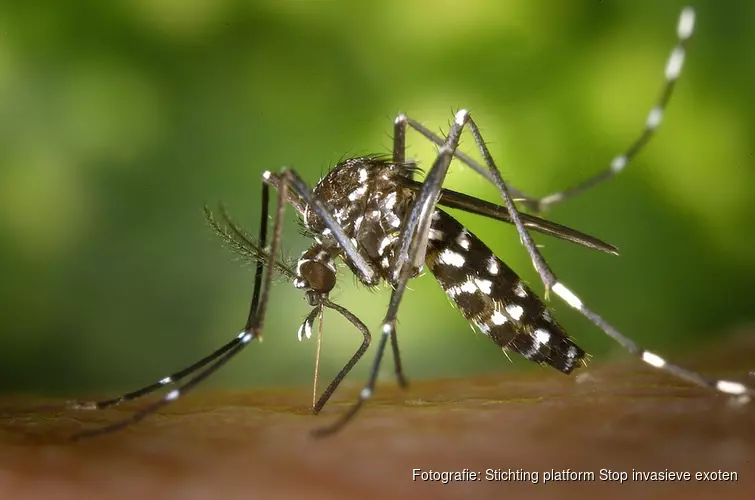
(318, 276)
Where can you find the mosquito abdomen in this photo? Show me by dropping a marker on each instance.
(491, 295)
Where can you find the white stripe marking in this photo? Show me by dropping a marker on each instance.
(654, 118)
(486, 286)
(567, 295)
(463, 240)
(384, 244)
(435, 234)
(461, 116)
(731, 387)
(653, 359)
(686, 23)
(451, 258)
(515, 311)
(308, 329)
(542, 336)
(618, 163)
(498, 319)
(358, 193)
(493, 268)
(390, 201)
(675, 63)
(467, 287)
(572, 353)
(300, 332)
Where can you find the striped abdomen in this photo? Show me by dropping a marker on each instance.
(491, 295)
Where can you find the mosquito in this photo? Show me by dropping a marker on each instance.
(373, 216)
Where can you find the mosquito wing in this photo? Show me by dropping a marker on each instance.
(461, 201)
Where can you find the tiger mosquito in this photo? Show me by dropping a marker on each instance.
(384, 225)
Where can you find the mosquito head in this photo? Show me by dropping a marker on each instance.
(317, 277)
(315, 272)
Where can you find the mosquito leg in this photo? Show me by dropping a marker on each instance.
(252, 331)
(352, 362)
(684, 30)
(171, 379)
(399, 139)
(181, 374)
(729, 387)
(551, 282)
(460, 155)
(413, 244)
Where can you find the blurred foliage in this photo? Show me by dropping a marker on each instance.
(119, 120)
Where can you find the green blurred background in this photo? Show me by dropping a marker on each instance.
(119, 120)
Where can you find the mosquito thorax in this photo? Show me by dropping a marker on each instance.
(369, 201)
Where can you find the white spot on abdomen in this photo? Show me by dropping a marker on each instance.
(463, 239)
(542, 336)
(485, 286)
(515, 311)
(435, 234)
(493, 267)
(451, 258)
(498, 319)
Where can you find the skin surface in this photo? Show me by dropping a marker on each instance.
(257, 444)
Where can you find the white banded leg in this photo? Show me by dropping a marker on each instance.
(149, 389)
(411, 255)
(729, 387)
(674, 64)
(260, 299)
(685, 28)
(550, 280)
